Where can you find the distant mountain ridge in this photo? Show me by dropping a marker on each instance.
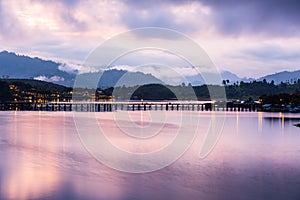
(114, 77)
(19, 66)
(278, 77)
(224, 75)
(284, 76)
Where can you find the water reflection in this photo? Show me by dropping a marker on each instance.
(257, 157)
(42, 158)
(284, 119)
(237, 122)
(24, 173)
(259, 114)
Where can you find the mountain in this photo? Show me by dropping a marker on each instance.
(18, 66)
(225, 75)
(114, 77)
(233, 78)
(24, 67)
(285, 76)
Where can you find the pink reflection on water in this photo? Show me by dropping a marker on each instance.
(256, 157)
(42, 157)
(26, 173)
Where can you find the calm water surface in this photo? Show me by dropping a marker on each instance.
(257, 157)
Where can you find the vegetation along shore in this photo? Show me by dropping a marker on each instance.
(284, 97)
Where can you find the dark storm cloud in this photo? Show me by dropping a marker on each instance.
(231, 17)
(267, 17)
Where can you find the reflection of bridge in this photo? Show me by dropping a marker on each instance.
(132, 106)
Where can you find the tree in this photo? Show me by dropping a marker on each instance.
(224, 82)
(5, 94)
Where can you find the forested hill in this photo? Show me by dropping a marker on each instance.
(242, 91)
(11, 89)
(37, 85)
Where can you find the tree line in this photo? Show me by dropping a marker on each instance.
(283, 93)
(255, 90)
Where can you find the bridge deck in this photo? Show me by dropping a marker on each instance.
(132, 106)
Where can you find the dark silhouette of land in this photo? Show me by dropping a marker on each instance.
(272, 97)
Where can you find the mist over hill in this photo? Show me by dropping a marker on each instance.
(13, 65)
(19, 66)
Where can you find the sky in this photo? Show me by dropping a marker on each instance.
(248, 38)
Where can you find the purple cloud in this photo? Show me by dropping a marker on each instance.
(68, 3)
(10, 26)
(156, 13)
(268, 17)
(274, 18)
(271, 52)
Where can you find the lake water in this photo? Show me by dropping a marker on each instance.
(256, 157)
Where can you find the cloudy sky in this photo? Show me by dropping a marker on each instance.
(249, 38)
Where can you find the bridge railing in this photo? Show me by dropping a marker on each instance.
(129, 106)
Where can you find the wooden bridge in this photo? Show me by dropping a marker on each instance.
(130, 106)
